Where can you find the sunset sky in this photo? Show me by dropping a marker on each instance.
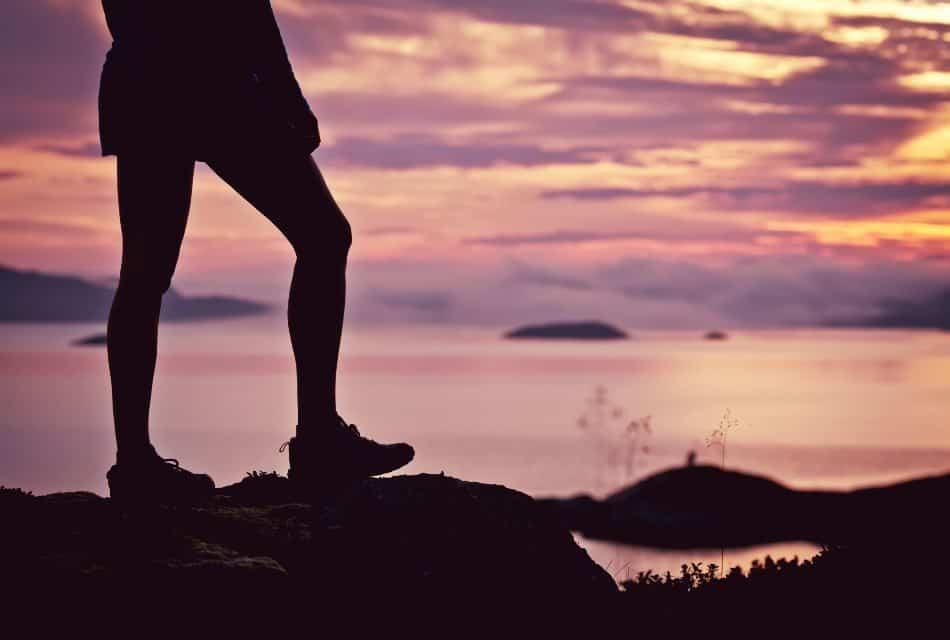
(657, 164)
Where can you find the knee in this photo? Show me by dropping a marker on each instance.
(327, 244)
(344, 236)
(145, 282)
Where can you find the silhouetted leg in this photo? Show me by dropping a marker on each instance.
(154, 198)
(291, 192)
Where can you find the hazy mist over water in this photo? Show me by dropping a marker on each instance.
(831, 408)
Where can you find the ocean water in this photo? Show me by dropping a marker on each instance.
(814, 408)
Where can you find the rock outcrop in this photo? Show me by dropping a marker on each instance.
(708, 507)
(397, 539)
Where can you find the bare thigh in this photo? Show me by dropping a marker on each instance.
(291, 192)
(154, 200)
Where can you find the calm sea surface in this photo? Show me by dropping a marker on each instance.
(829, 408)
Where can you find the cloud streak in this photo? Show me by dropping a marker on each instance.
(849, 200)
(423, 151)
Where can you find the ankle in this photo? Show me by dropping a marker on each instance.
(136, 456)
(317, 427)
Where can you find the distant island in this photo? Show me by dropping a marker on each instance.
(930, 313)
(716, 335)
(34, 296)
(588, 330)
(93, 340)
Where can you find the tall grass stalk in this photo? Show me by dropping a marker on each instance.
(718, 438)
(623, 441)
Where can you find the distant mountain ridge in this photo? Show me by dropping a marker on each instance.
(933, 313)
(34, 296)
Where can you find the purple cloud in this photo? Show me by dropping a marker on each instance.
(413, 151)
(388, 231)
(431, 305)
(50, 58)
(544, 276)
(84, 150)
(849, 200)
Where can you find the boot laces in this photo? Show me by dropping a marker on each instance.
(174, 464)
(349, 428)
(355, 432)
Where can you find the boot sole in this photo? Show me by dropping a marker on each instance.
(334, 483)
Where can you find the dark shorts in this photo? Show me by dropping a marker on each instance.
(204, 113)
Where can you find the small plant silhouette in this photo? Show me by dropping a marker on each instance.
(255, 474)
(719, 435)
(718, 438)
(13, 493)
(694, 577)
(636, 434)
(625, 442)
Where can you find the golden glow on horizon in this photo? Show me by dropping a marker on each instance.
(819, 10)
(932, 144)
(880, 111)
(857, 35)
(928, 81)
(699, 60)
(871, 233)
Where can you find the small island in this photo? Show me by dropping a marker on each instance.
(716, 335)
(587, 330)
(94, 340)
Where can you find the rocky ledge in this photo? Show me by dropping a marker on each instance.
(399, 539)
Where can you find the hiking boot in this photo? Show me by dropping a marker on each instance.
(329, 456)
(154, 479)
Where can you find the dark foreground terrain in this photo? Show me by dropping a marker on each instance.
(468, 555)
(417, 540)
